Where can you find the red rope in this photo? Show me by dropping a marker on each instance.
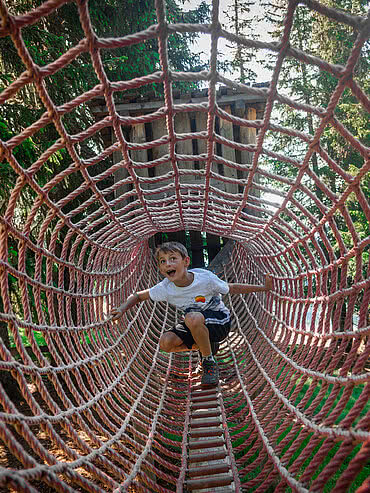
(102, 408)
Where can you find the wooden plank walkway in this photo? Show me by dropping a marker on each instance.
(209, 463)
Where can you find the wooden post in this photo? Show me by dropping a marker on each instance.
(182, 126)
(226, 130)
(201, 126)
(178, 236)
(159, 129)
(252, 114)
(248, 136)
(137, 135)
(197, 249)
(213, 246)
(122, 172)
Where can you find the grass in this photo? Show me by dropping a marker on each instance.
(332, 482)
(39, 338)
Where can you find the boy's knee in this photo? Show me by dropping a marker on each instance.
(166, 343)
(194, 320)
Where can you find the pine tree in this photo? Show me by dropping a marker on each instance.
(239, 21)
(331, 41)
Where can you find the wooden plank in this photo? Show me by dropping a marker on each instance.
(159, 129)
(209, 464)
(217, 483)
(182, 126)
(204, 404)
(138, 136)
(101, 110)
(205, 444)
(226, 130)
(205, 457)
(209, 432)
(205, 471)
(248, 135)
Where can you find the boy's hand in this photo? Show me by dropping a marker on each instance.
(116, 313)
(268, 282)
(131, 301)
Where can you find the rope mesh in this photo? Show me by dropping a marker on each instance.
(102, 408)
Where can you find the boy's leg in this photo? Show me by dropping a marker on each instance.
(218, 324)
(195, 322)
(172, 343)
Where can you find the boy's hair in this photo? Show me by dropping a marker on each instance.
(171, 246)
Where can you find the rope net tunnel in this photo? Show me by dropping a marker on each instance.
(96, 406)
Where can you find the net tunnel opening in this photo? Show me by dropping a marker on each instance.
(202, 247)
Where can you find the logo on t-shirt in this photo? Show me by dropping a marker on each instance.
(200, 299)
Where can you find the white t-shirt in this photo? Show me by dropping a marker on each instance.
(202, 294)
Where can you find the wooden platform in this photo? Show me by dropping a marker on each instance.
(209, 463)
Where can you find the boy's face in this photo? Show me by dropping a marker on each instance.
(173, 266)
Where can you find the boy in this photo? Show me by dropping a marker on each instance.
(197, 292)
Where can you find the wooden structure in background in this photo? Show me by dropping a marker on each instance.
(235, 103)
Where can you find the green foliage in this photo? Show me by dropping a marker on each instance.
(39, 338)
(331, 41)
(240, 21)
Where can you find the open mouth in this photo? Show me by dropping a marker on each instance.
(171, 272)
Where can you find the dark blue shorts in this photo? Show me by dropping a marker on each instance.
(217, 323)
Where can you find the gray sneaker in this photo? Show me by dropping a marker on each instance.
(215, 346)
(210, 375)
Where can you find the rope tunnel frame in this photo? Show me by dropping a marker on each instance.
(104, 409)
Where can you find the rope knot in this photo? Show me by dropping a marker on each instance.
(217, 27)
(35, 72)
(53, 113)
(92, 43)
(163, 29)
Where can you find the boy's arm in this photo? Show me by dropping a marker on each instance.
(131, 301)
(251, 288)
